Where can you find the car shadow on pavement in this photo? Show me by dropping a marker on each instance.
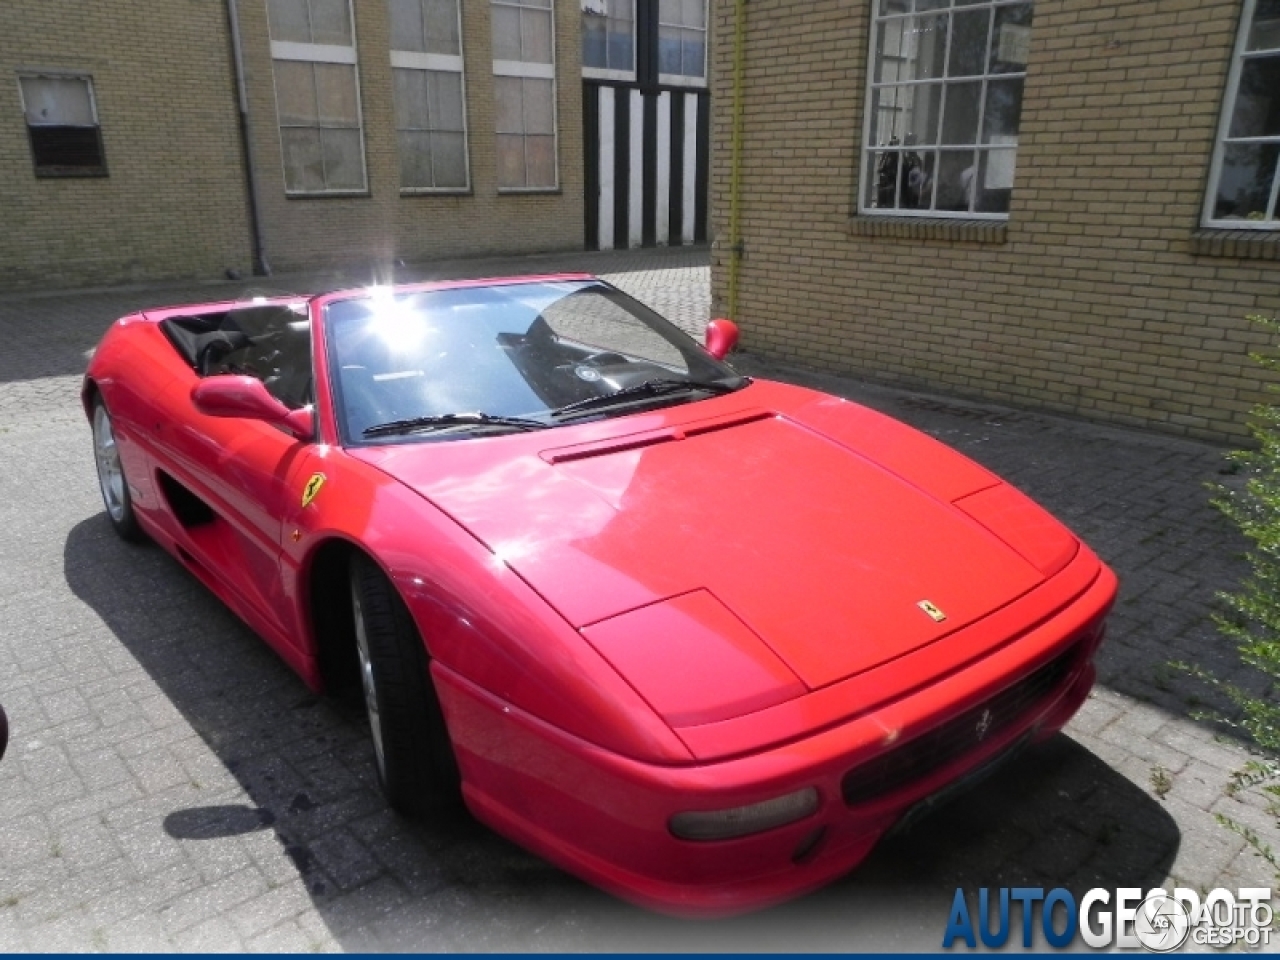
(278, 765)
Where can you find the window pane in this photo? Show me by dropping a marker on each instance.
(668, 49)
(1244, 187)
(539, 116)
(442, 27)
(695, 14)
(890, 65)
(509, 116)
(968, 43)
(932, 4)
(288, 20)
(406, 25)
(669, 11)
(921, 120)
(535, 36)
(1257, 111)
(506, 33)
(343, 167)
(621, 40)
(336, 95)
(594, 41)
(57, 101)
(622, 9)
(995, 181)
(303, 166)
(894, 6)
(295, 92)
(541, 159)
(960, 121)
(1004, 109)
(445, 93)
(415, 158)
(331, 22)
(449, 159)
(410, 98)
(510, 149)
(957, 175)
(692, 53)
(1264, 32)
(927, 44)
(1011, 39)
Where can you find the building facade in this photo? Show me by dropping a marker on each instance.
(141, 141)
(1064, 204)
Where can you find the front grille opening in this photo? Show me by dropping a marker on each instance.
(918, 758)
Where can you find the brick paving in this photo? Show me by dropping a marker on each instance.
(171, 786)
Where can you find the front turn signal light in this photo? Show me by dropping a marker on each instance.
(742, 821)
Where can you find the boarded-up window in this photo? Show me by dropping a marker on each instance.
(429, 94)
(317, 96)
(525, 91)
(62, 126)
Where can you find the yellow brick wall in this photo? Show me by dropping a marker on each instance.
(1096, 303)
(326, 231)
(174, 203)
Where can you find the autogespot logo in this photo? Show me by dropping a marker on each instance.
(1158, 921)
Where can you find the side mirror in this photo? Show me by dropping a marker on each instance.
(226, 395)
(722, 336)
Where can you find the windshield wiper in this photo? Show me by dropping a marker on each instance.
(650, 388)
(414, 424)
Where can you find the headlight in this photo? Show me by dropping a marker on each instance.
(741, 821)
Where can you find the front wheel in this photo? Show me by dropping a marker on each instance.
(411, 747)
(111, 478)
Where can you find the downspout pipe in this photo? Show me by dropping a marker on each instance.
(261, 267)
(736, 247)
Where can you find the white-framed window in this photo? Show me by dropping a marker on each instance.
(609, 39)
(1244, 178)
(313, 54)
(944, 102)
(429, 94)
(682, 42)
(525, 92)
(62, 124)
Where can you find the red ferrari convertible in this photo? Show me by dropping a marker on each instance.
(699, 639)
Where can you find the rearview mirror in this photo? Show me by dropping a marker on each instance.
(227, 395)
(722, 336)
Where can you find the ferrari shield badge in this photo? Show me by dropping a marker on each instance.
(312, 488)
(926, 605)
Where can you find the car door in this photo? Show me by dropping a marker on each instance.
(238, 468)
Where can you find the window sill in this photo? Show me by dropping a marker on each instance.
(68, 173)
(1245, 244)
(528, 191)
(328, 195)
(435, 192)
(930, 228)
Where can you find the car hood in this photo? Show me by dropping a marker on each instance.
(835, 562)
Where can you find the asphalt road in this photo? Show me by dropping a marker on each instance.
(170, 785)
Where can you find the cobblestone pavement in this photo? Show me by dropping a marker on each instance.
(171, 786)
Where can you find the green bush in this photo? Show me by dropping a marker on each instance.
(1252, 614)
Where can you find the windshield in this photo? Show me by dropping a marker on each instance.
(471, 360)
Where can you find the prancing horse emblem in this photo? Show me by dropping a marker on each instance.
(984, 725)
(932, 610)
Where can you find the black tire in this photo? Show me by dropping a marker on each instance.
(411, 747)
(112, 483)
(4, 732)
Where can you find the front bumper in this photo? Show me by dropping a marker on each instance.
(605, 817)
